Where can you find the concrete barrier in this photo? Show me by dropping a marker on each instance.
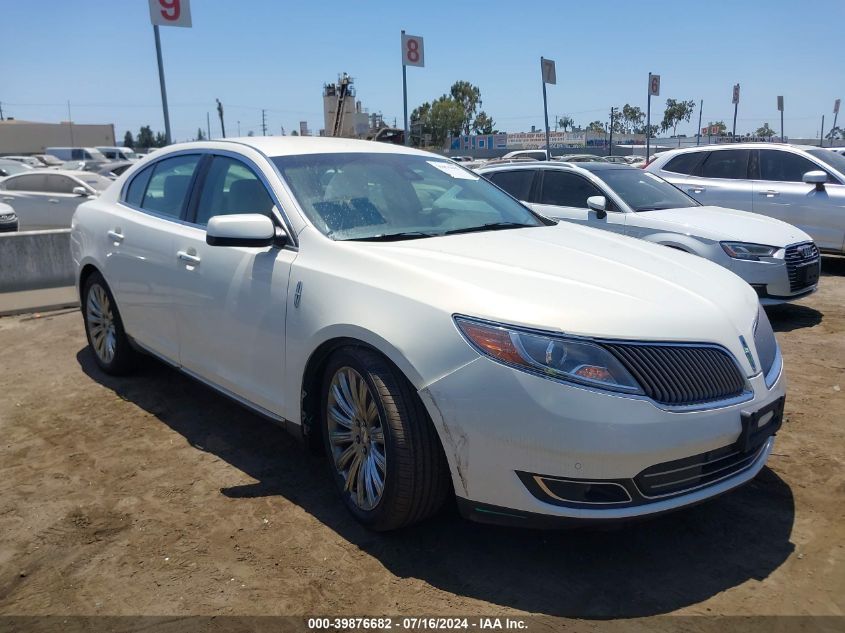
(31, 260)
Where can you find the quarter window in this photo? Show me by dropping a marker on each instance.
(138, 187)
(516, 182)
(564, 189)
(726, 163)
(784, 166)
(684, 163)
(170, 184)
(231, 187)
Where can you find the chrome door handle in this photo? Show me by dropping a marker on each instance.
(696, 190)
(8, 198)
(771, 193)
(117, 236)
(53, 200)
(187, 257)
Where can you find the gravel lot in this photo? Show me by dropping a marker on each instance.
(153, 495)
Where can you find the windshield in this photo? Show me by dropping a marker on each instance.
(643, 191)
(837, 161)
(95, 181)
(358, 196)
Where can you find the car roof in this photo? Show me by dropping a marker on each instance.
(294, 145)
(723, 146)
(557, 165)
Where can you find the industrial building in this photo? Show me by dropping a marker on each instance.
(30, 137)
(342, 114)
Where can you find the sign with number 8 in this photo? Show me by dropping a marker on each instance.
(412, 50)
(170, 12)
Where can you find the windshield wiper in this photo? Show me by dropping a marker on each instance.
(490, 226)
(393, 237)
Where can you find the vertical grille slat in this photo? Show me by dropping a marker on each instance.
(681, 374)
(796, 258)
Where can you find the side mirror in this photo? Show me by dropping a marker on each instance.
(247, 229)
(599, 205)
(816, 177)
(81, 191)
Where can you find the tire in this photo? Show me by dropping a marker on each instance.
(391, 437)
(107, 338)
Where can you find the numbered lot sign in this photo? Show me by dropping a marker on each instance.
(736, 94)
(171, 12)
(412, 50)
(654, 85)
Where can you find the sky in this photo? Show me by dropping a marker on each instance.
(99, 55)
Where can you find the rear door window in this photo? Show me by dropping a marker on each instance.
(169, 186)
(28, 182)
(517, 182)
(60, 184)
(726, 163)
(565, 189)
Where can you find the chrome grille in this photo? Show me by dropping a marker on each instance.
(681, 374)
(798, 257)
(693, 472)
(764, 341)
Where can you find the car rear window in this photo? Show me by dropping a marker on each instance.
(684, 163)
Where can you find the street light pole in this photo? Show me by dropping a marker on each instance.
(610, 142)
(161, 83)
(698, 136)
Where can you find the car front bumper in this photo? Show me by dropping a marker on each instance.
(503, 429)
(771, 279)
(9, 227)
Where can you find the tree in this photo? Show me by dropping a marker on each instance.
(633, 119)
(294, 133)
(596, 126)
(617, 123)
(469, 98)
(765, 131)
(483, 124)
(160, 140)
(128, 139)
(200, 134)
(145, 138)
(676, 111)
(835, 133)
(720, 126)
(566, 123)
(446, 119)
(420, 123)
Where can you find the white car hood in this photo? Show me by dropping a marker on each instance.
(721, 224)
(565, 278)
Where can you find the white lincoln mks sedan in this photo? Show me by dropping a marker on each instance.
(433, 334)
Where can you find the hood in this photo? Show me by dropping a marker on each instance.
(721, 224)
(569, 279)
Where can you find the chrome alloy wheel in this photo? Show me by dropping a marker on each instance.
(356, 437)
(100, 319)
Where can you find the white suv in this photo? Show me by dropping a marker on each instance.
(802, 185)
(433, 334)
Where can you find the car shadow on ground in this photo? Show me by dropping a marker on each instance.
(833, 265)
(636, 569)
(786, 317)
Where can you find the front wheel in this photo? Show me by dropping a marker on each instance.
(104, 328)
(383, 451)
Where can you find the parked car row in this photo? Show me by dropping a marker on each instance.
(437, 337)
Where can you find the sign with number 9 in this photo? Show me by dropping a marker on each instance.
(170, 12)
(412, 50)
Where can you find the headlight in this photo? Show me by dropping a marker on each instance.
(750, 252)
(7, 217)
(549, 355)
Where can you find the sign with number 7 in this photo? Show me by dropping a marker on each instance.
(170, 12)
(412, 50)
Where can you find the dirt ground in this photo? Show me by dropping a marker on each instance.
(153, 495)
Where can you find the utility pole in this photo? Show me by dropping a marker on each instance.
(821, 134)
(263, 122)
(1, 111)
(208, 124)
(610, 143)
(239, 128)
(736, 107)
(547, 75)
(70, 123)
(220, 114)
(698, 136)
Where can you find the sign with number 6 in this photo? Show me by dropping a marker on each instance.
(170, 12)
(654, 85)
(412, 50)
